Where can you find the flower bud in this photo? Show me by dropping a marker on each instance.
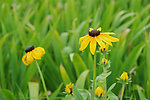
(102, 49)
(124, 76)
(104, 61)
(99, 91)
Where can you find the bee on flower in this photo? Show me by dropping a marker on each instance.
(32, 54)
(69, 88)
(94, 37)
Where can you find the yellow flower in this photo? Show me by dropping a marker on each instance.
(99, 91)
(69, 88)
(94, 37)
(32, 54)
(124, 76)
(104, 61)
(104, 48)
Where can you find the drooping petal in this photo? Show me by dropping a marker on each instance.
(29, 58)
(93, 45)
(85, 43)
(105, 39)
(24, 59)
(82, 38)
(100, 42)
(109, 33)
(38, 52)
(112, 39)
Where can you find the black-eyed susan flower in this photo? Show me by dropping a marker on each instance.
(94, 37)
(69, 88)
(102, 49)
(32, 54)
(124, 76)
(104, 61)
(99, 91)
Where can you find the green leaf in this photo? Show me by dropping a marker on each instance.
(76, 94)
(7, 95)
(78, 64)
(64, 75)
(132, 58)
(54, 95)
(111, 87)
(102, 76)
(81, 80)
(142, 97)
(112, 96)
(33, 90)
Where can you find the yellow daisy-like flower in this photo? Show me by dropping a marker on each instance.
(32, 54)
(99, 91)
(69, 88)
(124, 76)
(94, 37)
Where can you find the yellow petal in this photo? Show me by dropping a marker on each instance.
(99, 91)
(100, 42)
(112, 39)
(24, 59)
(85, 43)
(93, 45)
(110, 33)
(99, 29)
(124, 76)
(38, 52)
(105, 39)
(67, 89)
(29, 58)
(82, 38)
(91, 29)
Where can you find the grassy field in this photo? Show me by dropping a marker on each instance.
(57, 25)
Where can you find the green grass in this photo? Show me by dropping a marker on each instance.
(57, 25)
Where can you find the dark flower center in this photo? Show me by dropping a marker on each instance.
(29, 48)
(94, 33)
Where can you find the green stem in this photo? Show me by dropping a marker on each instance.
(105, 86)
(43, 82)
(105, 81)
(123, 87)
(94, 75)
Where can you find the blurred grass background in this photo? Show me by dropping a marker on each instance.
(57, 26)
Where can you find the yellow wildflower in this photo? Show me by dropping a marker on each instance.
(94, 37)
(32, 54)
(124, 76)
(104, 61)
(99, 91)
(69, 88)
